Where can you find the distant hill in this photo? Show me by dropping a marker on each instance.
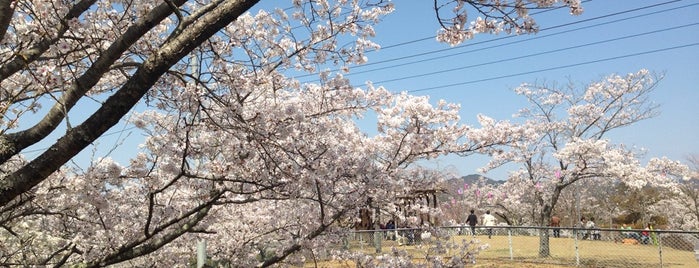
(475, 178)
(451, 186)
(471, 179)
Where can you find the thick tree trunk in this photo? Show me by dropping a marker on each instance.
(544, 250)
(545, 217)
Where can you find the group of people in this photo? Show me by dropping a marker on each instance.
(488, 221)
(591, 231)
(643, 237)
(390, 226)
(394, 232)
(589, 228)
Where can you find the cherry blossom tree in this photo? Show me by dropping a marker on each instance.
(566, 140)
(689, 195)
(237, 151)
(682, 208)
(480, 195)
(600, 200)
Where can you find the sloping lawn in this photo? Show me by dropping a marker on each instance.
(525, 253)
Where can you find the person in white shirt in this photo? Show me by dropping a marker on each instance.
(488, 221)
(592, 231)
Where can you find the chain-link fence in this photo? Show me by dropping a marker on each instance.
(548, 246)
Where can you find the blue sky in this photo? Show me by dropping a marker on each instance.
(610, 37)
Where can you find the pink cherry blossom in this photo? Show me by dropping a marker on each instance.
(235, 149)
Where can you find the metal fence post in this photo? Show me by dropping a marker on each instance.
(361, 240)
(201, 253)
(577, 252)
(345, 241)
(660, 250)
(377, 240)
(509, 237)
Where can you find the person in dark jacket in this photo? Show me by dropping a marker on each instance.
(472, 220)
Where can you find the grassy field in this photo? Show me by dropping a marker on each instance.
(524, 252)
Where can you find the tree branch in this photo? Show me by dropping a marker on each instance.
(6, 12)
(114, 108)
(142, 247)
(27, 56)
(16, 142)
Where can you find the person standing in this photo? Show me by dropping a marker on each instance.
(391, 227)
(489, 221)
(582, 224)
(472, 220)
(590, 229)
(555, 223)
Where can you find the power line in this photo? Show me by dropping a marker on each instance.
(548, 28)
(612, 14)
(513, 42)
(512, 36)
(536, 54)
(432, 37)
(557, 67)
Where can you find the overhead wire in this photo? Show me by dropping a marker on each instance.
(536, 54)
(432, 37)
(516, 41)
(512, 36)
(557, 67)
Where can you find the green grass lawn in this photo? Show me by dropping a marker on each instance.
(589, 253)
(524, 252)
